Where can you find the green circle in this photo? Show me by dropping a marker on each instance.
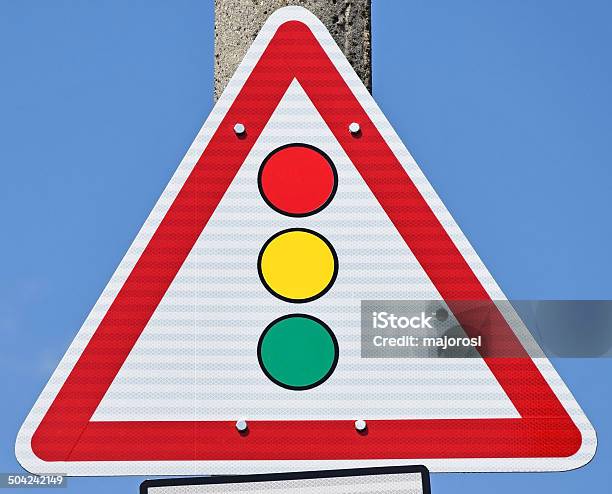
(298, 351)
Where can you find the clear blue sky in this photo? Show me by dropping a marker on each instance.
(505, 105)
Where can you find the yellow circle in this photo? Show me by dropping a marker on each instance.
(297, 265)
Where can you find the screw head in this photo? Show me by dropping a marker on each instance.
(354, 128)
(239, 129)
(361, 425)
(242, 426)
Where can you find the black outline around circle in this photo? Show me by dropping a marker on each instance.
(298, 300)
(327, 375)
(147, 486)
(309, 213)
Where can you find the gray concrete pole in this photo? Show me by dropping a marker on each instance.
(237, 22)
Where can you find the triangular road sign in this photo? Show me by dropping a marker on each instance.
(182, 368)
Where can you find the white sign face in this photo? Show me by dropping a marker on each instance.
(229, 338)
(383, 480)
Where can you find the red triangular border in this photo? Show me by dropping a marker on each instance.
(66, 432)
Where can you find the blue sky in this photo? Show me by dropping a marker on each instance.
(505, 105)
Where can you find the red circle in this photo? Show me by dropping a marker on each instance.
(297, 180)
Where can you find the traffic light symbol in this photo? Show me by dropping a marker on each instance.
(297, 265)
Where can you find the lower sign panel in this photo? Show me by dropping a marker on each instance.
(385, 480)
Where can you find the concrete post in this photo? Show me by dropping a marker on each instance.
(237, 22)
